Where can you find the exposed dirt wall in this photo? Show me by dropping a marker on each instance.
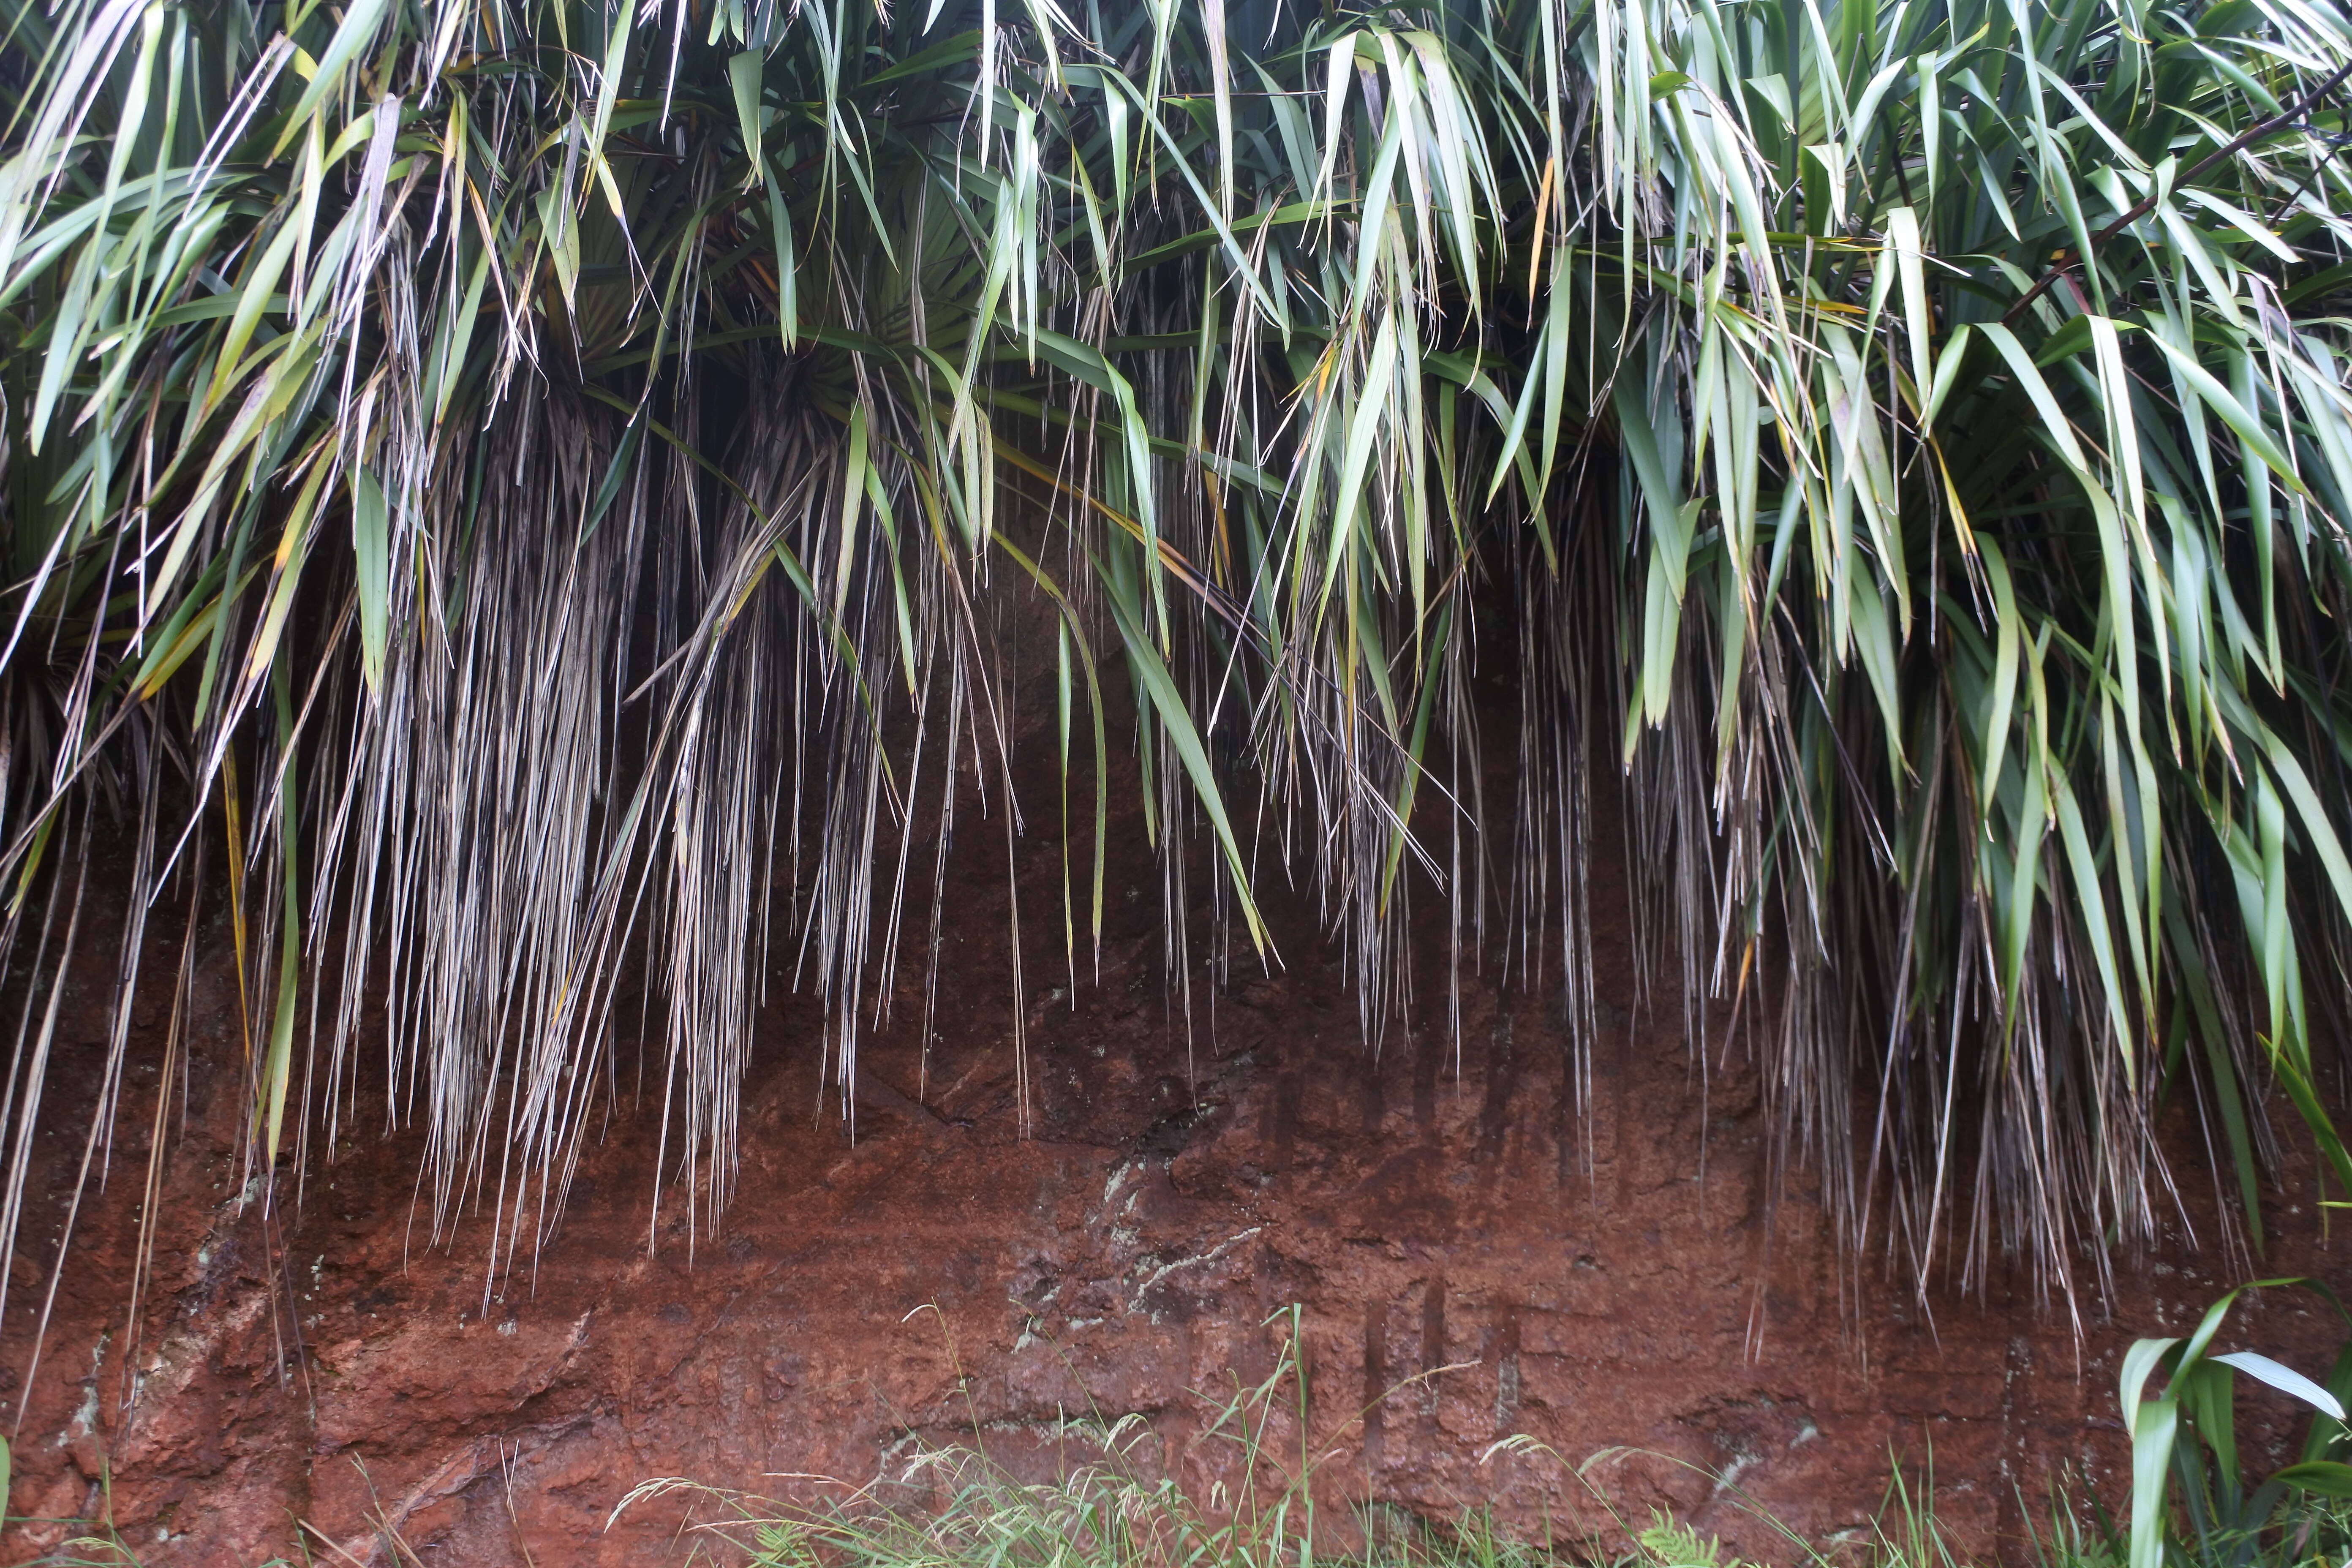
(1625, 1279)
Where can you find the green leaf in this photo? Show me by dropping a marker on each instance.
(2323, 1477)
(1169, 707)
(2285, 1379)
(2258, 441)
(371, 558)
(354, 33)
(2156, 1423)
(743, 72)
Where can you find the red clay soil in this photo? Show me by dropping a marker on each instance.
(1626, 1280)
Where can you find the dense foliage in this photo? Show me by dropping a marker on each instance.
(492, 481)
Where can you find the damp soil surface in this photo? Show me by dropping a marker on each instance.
(1481, 1239)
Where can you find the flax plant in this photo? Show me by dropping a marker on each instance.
(496, 486)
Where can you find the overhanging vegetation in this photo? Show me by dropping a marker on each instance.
(491, 481)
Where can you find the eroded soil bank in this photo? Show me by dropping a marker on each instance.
(1626, 1278)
